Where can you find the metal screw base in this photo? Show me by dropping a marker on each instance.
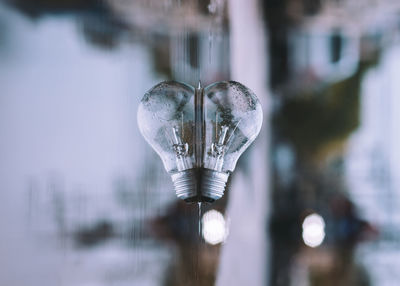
(199, 185)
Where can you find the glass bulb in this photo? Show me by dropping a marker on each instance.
(200, 133)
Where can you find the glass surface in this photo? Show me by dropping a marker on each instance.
(232, 119)
(166, 120)
(85, 201)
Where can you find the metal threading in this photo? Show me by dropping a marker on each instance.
(199, 185)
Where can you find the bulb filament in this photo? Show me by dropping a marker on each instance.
(218, 149)
(181, 149)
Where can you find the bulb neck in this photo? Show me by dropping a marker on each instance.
(199, 185)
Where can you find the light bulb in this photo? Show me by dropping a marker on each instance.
(200, 133)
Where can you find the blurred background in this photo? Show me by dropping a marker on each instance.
(85, 201)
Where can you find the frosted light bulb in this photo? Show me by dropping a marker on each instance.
(200, 133)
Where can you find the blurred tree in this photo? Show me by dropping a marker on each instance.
(313, 120)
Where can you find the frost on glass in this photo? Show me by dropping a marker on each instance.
(166, 121)
(200, 133)
(233, 121)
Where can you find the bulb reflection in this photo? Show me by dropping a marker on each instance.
(215, 228)
(313, 230)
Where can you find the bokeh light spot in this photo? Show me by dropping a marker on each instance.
(313, 230)
(214, 227)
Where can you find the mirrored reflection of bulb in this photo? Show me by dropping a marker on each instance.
(200, 133)
(313, 230)
(214, 229)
